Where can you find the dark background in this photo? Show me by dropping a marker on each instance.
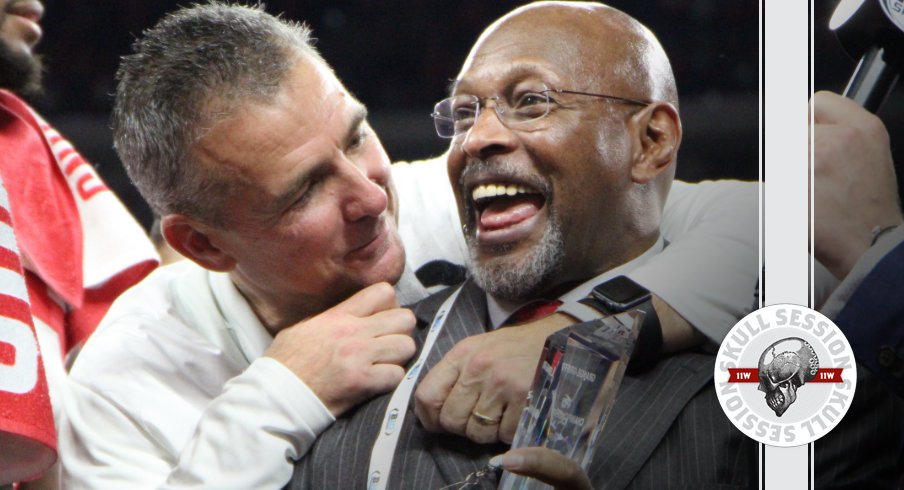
(397, 57)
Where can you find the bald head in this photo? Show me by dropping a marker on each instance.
(602, 150)
(602, 47)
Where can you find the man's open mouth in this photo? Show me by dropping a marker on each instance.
(506, 211)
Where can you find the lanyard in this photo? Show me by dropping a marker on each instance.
(384, 448)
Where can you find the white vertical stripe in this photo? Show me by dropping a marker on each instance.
(21, 376)
(8, 238)
(785, 206)
(13, 284)
(4, 197)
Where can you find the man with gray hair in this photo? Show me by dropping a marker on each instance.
(222, 370)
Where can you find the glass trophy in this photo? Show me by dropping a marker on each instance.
(574, 388)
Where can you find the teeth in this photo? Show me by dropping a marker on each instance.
(493, 190)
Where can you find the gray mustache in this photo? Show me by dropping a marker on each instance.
(504, 169)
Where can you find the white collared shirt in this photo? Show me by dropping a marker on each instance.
(164, 396)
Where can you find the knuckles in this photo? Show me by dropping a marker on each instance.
(349, 349)
(463, 350)
(509, 382)
(480, 363)
(452, 424)
(874, 128)
(406, 319)
(384, 292)
(343, 327)
(407, 348)
(427, 402)
(392, 376)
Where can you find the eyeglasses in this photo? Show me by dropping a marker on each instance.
(454, 116)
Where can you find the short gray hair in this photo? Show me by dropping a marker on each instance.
(193, 68)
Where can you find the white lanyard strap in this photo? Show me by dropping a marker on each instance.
(384, 448)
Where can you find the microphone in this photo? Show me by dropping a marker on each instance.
(873, 31)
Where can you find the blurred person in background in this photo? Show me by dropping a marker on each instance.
(79, 248)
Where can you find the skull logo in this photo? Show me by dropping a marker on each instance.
(784, 367)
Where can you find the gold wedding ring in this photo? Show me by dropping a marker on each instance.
(484, 420)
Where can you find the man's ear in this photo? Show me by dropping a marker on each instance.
(194, 240)
(659, 131)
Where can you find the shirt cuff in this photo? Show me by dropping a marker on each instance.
(861, 269)
(299, 402)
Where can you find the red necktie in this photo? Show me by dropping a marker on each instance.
(534, 310)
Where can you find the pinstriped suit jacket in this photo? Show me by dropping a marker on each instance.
(666, 430)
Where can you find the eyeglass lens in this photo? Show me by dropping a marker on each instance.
(456, 115)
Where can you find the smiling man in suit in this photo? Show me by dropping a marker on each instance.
(555, 95)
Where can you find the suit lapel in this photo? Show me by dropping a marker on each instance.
(467, 317)
(427, 460)
(474, 299)
(646, 407)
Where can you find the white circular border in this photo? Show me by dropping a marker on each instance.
(894, 10)
(720, 376)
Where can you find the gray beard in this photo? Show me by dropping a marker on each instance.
(512, 279)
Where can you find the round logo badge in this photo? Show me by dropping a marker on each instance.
(785, 375)
(894, 9)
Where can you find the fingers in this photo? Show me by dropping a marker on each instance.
(478, 389)
(446, 402)
(384, 377)
(484, 419)
(352, 351)
(392, 349)
(833, 109)
(495, 415)
(388, 322)
(432, 392)
(457, 408)
(547, 466)
(454, 385)
(854, 187)
(483, 428)
(511, 415)
(370, 300)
